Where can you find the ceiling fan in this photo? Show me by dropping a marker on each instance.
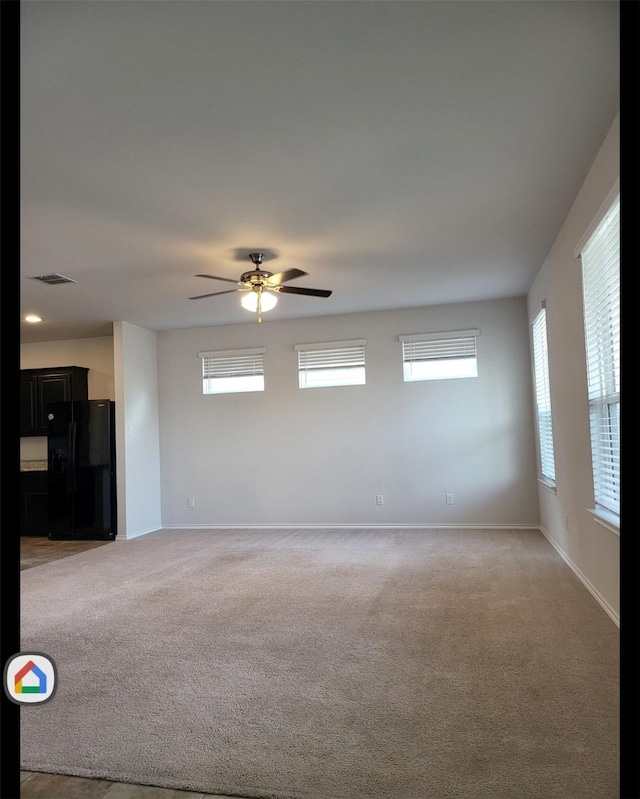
(261, 287)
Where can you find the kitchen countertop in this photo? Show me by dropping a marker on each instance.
(33, 466)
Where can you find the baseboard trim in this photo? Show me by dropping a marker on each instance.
(584, 580)
(400, 525)
(137, 534)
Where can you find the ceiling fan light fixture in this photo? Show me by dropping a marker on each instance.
(268, 301)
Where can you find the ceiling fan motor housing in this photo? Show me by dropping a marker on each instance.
(256, 278)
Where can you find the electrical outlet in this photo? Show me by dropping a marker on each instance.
(379, 499)
(449, 499)
(192, 502)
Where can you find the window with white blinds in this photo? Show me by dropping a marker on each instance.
(600, 260)
(440, 356)
(332, 363)
(543, 396)
(230, 371)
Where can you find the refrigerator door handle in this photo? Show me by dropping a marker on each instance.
(72, 455)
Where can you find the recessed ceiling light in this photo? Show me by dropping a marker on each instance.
(32, 318)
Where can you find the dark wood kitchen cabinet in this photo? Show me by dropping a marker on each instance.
(40, 386)
(34, 511)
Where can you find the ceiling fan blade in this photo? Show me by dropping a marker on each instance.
(214, 277)
(309, 292)
(288, 274)
(215, 294)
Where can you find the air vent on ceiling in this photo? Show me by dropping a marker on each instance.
(53, 279)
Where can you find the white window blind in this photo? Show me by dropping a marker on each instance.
(332, 363)
(543, 396)
(440, 356)
(230, 371)
(600, 259)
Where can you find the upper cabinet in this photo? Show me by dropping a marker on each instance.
(40, 386)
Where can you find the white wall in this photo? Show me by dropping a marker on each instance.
(94, 353)
(591, 549)
(319, 456)
(137, 435)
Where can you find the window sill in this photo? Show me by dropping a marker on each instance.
(606, 519)
(549, 486)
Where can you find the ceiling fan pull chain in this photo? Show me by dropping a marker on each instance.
(259, 305)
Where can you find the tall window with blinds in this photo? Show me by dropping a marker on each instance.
(231, 371)
(600, 260)
(440, 356)
(543, 397)
(333, 363)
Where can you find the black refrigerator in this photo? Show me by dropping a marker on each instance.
(82, 469)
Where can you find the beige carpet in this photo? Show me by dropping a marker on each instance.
(335, 664)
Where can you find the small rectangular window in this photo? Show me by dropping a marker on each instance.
(440, 356)
(543, 396)
(231, 371)
(331, 363)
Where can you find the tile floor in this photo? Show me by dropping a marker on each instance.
(58, 786)
(35, 551)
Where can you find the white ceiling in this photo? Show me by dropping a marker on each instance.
(403, 153)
